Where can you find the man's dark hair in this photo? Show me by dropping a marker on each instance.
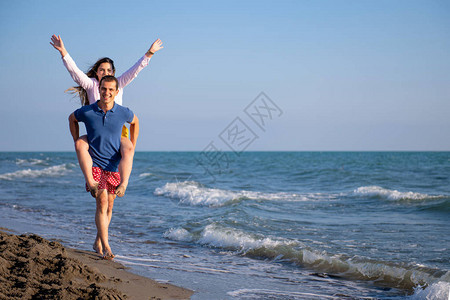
(110, 78)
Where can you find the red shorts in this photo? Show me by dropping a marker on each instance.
(106, 180)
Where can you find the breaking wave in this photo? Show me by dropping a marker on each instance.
(32, 161)
(178, 234)
(376, 191)
(436, 291)
(276, 294)
(399, 275)
(195, 194)
(29, 173)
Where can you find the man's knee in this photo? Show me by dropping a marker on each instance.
(109, 210)
(102, 200)
(111, 198)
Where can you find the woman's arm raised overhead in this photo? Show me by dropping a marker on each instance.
(131, 73)
(77, 75)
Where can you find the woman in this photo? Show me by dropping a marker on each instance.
(89, 93)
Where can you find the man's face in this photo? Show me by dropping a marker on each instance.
(108, 91)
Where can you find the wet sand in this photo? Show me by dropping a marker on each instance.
(32, 267)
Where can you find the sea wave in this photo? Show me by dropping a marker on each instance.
(57, 170)
(399, 275)
(277, 294)
(178, 234)
(146, 175)
(32, 161)
(377, 191)
(436, 291)
(195, 194)
(232, 239)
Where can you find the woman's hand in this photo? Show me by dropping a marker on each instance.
(156, 46)
(58, 44)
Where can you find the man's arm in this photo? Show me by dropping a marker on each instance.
(74, 127)
(134, 130)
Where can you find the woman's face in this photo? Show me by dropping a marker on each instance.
(103, 70)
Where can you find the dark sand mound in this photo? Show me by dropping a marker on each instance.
(34, 268)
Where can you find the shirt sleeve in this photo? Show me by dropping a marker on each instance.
(129, 75)
(130, 115)
(77, 75)
(79, 115)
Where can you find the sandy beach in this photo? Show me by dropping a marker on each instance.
(32, 267)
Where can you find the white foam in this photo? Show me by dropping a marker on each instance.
(137, 259)
(193, 193)
(376, 191)
(273, 294)
(435, 291)
(130, 258)
(214, 235)
(31, 161)
(28, 173)
(229, 238)
(146, 175)
(178, 234)
(217, 236)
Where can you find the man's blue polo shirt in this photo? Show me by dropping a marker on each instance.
(104, 131)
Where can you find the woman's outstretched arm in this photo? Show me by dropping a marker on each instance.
(156, 46)
(129, 75)
(77, 75)
(58, 44)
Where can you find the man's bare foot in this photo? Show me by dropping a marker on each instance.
(120, 190)
(108, 255)
(98, 247)
(94, 189)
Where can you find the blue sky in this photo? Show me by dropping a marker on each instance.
(347, 75)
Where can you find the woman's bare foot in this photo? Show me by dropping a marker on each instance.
(120, 190)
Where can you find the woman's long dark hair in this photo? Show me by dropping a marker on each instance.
(92, 73)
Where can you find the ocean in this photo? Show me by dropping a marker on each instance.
(255, 225)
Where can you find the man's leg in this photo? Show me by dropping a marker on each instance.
(105, 203)
(85, 162)
(111, 198)
(98, 243)
(125, 166)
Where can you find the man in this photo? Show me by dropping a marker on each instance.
(104, 120)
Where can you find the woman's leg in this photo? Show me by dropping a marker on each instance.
(125, 166)
(85, 162)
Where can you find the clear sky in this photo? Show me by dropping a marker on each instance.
(346, 75)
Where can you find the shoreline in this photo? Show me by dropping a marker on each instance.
(34, 267)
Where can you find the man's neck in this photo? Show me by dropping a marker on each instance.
(105, 106)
